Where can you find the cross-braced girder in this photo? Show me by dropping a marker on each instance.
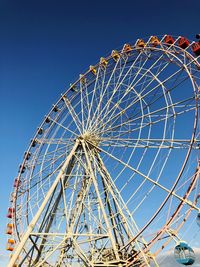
(96, 224)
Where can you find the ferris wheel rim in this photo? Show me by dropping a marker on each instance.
(69, 89)
(186, 157)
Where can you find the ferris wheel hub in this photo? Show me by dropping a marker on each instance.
(90, 138)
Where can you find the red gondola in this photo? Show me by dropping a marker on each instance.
(16, 182)
(196, 48)
(169, 40)
(10, 214)
(183, 42)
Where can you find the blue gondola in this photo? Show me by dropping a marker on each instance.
(198, 219)
(184, 254)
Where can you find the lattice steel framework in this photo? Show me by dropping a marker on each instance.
(111, 176)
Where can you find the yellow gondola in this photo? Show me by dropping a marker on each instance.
(127, 48)
(93, 70)
(73, 87)
(115, 55)
(140, 43)
(82, 79)
(154, 41)
(103, 62)
(9, 229)
(10, 244)
(13, 197)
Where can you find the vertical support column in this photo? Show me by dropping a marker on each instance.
(45, 201)
(100, 201)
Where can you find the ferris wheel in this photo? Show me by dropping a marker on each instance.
(111, 177)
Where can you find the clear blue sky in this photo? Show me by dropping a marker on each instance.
(44, 45)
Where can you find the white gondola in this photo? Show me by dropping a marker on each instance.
(198, 219)
(184, 254)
